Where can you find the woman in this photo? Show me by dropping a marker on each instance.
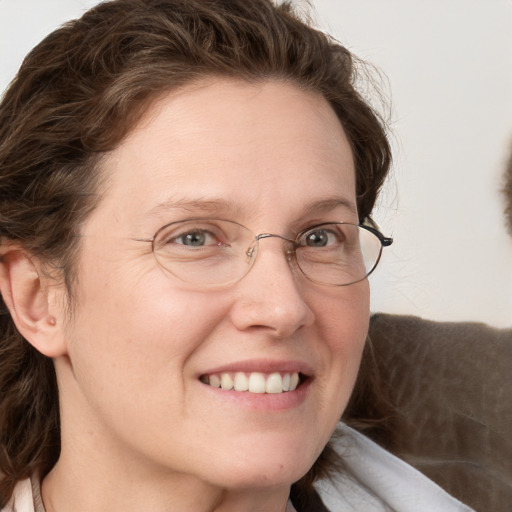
(185, 199)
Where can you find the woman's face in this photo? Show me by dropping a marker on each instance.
(142, 344)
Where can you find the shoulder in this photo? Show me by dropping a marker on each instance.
(381, 482)
(22, 499)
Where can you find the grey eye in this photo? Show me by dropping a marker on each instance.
(193, 239)
(318, 238)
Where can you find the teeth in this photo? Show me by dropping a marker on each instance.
(226, 382)
(286, 382)
(254, 382)
(241, 382)
(214, 381)
(274, 383)
(294, 380)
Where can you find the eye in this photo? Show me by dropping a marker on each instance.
(195, 239)
(321, 237)
(191, 235)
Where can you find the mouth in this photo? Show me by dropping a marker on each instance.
(255, 382)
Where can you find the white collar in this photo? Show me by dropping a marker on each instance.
(377, 481)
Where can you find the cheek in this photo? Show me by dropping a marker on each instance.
(344, 324)
(141, 330)
(343, 315)
(132, 361)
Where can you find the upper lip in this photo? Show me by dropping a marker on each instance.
(262, 366)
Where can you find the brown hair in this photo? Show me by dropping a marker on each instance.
(78, 94)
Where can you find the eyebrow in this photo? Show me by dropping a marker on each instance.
(326, 205)
(220, 206)
(204, 205)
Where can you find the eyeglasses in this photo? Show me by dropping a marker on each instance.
(208, 252)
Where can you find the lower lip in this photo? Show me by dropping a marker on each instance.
(262, 401)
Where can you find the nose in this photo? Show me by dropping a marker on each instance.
(269, 297)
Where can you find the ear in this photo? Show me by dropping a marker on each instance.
(31, 301)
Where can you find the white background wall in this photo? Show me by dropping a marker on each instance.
(449, 67)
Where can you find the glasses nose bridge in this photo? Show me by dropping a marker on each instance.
(272, 235)
(291, 244)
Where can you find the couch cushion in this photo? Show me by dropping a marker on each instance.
(452, 386)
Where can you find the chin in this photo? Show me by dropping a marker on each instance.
(260, 478)
(271, 467)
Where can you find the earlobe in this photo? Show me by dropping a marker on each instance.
(25, 292)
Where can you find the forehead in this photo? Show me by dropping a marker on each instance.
(252, 146)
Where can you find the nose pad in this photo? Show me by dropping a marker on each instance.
(289, 252)
(252, 252)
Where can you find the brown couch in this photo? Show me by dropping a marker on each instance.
(451, 385)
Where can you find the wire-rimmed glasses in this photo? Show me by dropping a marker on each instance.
(207, 252)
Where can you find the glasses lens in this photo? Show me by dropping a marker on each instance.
(338, 254)
(204, 252)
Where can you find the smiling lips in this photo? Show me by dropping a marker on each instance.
(254, 382)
